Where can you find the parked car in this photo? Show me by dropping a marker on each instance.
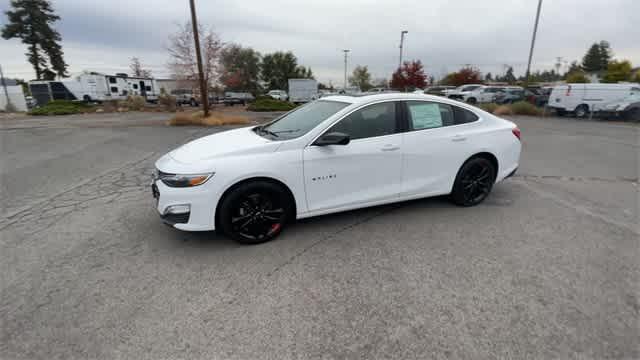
(473, 94)
(438, 90)
(581, 99)
(464, 92)
(628, 108)
(185, 97)
(237, 98)
(278, 95)
(510, 94)
(538, 96)
(334, 154)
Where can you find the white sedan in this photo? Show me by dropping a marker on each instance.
(335, 154)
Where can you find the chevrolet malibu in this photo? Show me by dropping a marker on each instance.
(335, 154)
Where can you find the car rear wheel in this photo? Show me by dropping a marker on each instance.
(255, 212)
(194, 102)
(474, 182)
(632, 114)
(472, 101)
(582, 111)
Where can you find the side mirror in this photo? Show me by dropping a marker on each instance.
(333, 138)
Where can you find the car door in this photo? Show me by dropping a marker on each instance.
(367, 169)
(435, 146)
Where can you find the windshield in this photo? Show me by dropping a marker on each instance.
(301, 120)
(470, 88)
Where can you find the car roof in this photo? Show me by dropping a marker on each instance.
(361, 100)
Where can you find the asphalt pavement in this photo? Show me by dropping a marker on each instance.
(546, 268)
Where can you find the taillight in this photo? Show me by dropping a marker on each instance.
(516, 132)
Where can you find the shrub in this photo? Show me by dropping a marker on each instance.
(135, 103)
(265, 103)
(167, 101)
(577, 77)
(214, 119)
(61, 107)
(488, 107)
(503, 110)
(525, 108)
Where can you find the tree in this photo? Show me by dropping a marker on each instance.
(240, 68)
(488, 77)
(617, 71)
(182, 54)
(410, 76)
(577, 77)
(597, 57)
(361, 78)
(508, 77)
(277, 68)
(31, 21)
(137, 70)
(466, 75)
(636, 78)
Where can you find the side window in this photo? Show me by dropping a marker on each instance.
(373, 120)
(147, 88)
(114, 89)
(112, 80)
(429, 115)
(135, 86)
(463, 116)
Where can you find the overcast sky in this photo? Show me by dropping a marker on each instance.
(443, 34)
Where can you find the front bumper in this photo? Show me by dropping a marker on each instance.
(201, 214)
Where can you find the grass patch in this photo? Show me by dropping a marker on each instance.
(62, 107)
(517, 108)
(214, 119)
(503, 110)
(266, 103)
(488, 107)
(525, 108)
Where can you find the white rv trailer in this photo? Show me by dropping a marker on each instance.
(94, 87)
(582, 99)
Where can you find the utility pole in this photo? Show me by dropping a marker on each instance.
(346, 51)
(6, 92)
(402, 33)
(203, 85)
(533, 41)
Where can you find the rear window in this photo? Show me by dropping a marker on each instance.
(463, 116)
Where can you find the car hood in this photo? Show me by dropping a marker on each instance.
(227, 143)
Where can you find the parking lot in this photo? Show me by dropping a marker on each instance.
(546, 268)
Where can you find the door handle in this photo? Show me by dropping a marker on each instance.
(459, 138)
(390, 147)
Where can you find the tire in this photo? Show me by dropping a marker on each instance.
(582, 111)
(632, 115)
(474, 182)
(472, 101)
(194, 103)
(561, 112)
(255, 212)
(86, 98)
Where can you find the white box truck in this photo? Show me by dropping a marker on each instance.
(582, 99)
(303, 90)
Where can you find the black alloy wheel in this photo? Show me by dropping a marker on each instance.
(255, 212)
(474, 182)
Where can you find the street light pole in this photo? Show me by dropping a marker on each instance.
(402, 33)
(533, 41)
(203, 85)
(346, 51)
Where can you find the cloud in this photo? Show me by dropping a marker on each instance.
(444, 35)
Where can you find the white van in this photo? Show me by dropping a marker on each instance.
(581, 99)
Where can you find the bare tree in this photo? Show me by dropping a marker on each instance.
(182, 52)
(137, 70)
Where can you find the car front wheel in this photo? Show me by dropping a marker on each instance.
(474, 182)
(255, 212)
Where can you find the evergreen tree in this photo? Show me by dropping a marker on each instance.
(31, 20)
(597, 57)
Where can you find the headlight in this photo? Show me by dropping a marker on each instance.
(177, 180)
